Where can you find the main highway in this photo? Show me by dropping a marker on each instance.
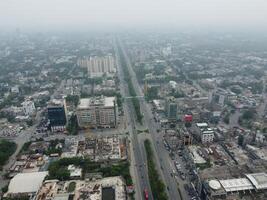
(138, 163)
(163, 165)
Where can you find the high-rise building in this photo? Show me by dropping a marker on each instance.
(98, 66)
(218, 96)
(171, 108)
(28, 107)
(205, 132)
(97, 112)
(167, 51)
(56, 111)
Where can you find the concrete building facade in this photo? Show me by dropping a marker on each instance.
(205, 132)
(97, 112)
(171, 108)
(98, 66)
(28, 107)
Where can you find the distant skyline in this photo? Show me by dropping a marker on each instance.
(90, 14)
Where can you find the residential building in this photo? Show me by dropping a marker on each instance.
(98, 66)
(97, 112)
(28, 107)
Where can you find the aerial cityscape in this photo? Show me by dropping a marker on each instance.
(171, 113)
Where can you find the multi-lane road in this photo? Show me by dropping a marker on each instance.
(138, 160)
(163, 165)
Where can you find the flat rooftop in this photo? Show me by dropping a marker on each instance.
(237, 184)
(26, 182)
(110, 188)
(259, 180)
(201, 125)
(96, 101)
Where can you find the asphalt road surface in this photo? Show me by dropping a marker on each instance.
(138, 162)
(162, 163)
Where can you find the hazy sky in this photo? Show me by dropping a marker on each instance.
(134, 13)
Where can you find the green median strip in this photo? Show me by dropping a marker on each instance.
(156, 184)
(131, 89)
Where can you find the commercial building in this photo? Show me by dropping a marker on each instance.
(56, 111)
(171, 108)
(25, 184)
(218, 96)
(98, 66)
(224, 188)
(28, 107)
(205, 132)
(97, 112)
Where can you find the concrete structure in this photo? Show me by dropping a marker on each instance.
(221, 189)
(97, 112)
(158, 105)
(205, 132)
(218, 97)
(171, 108)
(71, 147)
(75, 172)
(108, 148)
(112, 188)
(26, 183)
(197, 159)
(57, 115)
(98, 66)
(237, 184)
(259, 180)
(28, 107)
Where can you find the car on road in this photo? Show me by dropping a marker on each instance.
(145, 194)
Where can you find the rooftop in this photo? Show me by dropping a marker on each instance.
(96, 101)
(202, 125)
(259, 180)
(232, 185)
(84, 189)
(56, 102)
(26, 182)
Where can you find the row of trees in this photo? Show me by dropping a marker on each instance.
(7, 148)
(152, 93)
(58, 169)
(157, 186)
(73, 99)
(73, 126)
(131, 89)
